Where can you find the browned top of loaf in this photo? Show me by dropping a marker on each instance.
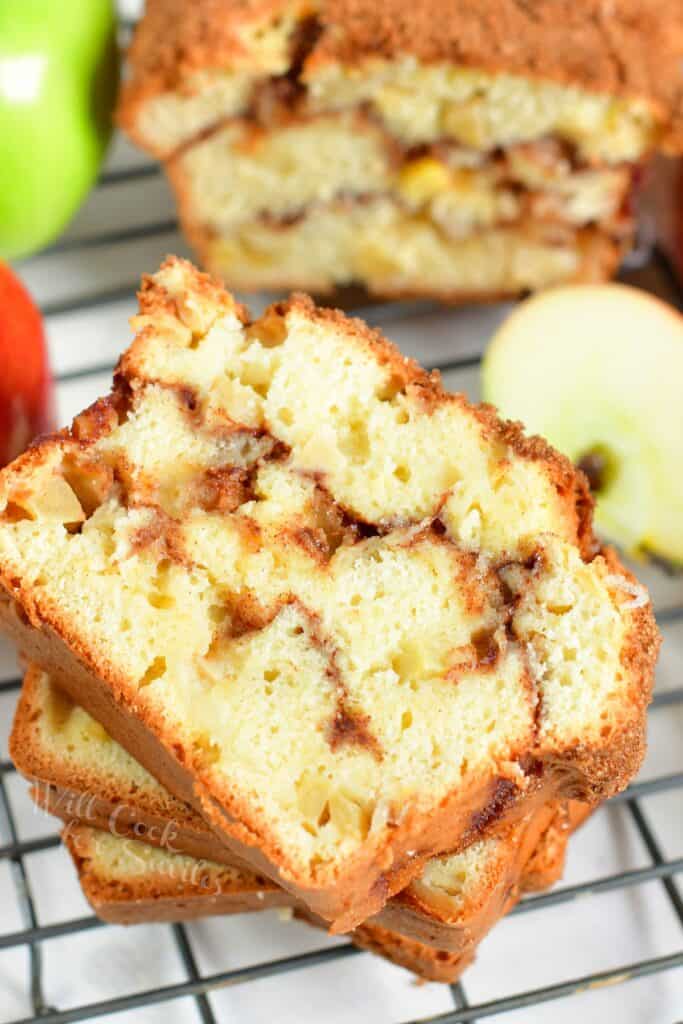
(176, 37)
(629, 47)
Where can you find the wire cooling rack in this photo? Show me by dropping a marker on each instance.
(104, 256)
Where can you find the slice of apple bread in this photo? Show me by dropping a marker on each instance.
(430, 72)
(81, 775)
(348, 616)
(127, 882)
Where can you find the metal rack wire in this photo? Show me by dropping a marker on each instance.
(15, 850)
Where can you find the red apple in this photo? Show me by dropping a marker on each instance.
(26, 400)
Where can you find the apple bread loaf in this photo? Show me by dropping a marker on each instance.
(465, 150)
(351, 618)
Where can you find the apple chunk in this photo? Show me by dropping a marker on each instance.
(598, 370)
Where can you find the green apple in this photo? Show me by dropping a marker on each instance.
(58, 80)
(598, 370)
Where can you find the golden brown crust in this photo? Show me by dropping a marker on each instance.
(175, 39)
(425, 961)
(200, 890)
(545, 864)
(127, 821)
(155, 301)
(530, 863)
(377, 875)
(195, 891)
(374, 878)
(643, 641)
(569, 482)
(38, 764)
(531, 858)
(382, 875)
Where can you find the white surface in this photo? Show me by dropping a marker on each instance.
(524, 952)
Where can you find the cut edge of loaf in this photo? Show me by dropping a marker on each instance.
(152, 886)
(528, 856)
(126, 883)
(108, 775)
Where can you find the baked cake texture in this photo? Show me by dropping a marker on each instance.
(462, 150)
(352, 619)
(82, 776)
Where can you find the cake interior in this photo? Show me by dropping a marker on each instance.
(327, 199)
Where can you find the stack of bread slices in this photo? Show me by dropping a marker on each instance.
(305, 630)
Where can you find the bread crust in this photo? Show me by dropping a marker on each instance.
(570, 483)
(533, 863)
(39, 764)
(203, 891)
(175, 40)
(534, 860)
(379, 883)
(203, 56)
(425, 961)
(375, 877)
(590, 44)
